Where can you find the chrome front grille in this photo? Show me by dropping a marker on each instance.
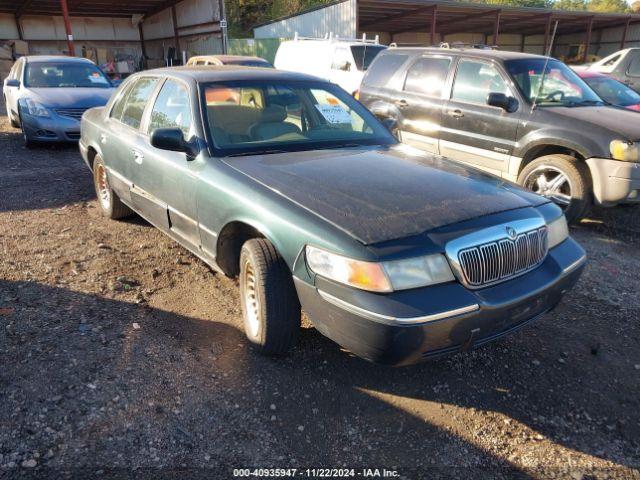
(503, 259)
(75, 113)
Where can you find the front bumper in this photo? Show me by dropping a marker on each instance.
(55, 128)
(614, 181)
(410, 326)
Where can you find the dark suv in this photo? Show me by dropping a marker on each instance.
(497, 111)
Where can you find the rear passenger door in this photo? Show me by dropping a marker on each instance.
(421, 101)
(165, 181)
(119, 138)
(472, 131)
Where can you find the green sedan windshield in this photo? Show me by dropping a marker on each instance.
(258, 117)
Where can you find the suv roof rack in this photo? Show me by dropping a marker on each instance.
(335, 38)
(446, 45)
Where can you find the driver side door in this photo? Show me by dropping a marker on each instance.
(474, 132)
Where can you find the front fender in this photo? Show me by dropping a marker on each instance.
(579, 142)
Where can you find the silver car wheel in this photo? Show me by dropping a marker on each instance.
(251, 303)
(552, 183)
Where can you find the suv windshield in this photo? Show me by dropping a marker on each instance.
(364, 55)
(64, 75)
(560, 86)
(251, 117)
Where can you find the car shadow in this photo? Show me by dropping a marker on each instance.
(127, 385)
(622, 221)
(47, 176)
(107, 372)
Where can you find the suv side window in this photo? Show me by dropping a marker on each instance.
(130, 108)
(172, 108)
(427, 76)
(19, 70)
(475, 80)
(383, 69)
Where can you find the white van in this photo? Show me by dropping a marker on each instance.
(341, 61)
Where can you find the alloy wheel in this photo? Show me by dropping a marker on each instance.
(550, 182)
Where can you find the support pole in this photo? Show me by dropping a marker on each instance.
(496, 27)
(624, 33)
(19, 27)
(176, 36)
(142, 46)
(587, 42)
(432, 31)
(523, 39)
(547, 32)
(67, 27)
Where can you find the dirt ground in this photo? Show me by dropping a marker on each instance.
(123, 355)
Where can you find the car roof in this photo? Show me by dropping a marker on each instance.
(229, 73)
(56, 58)
(476, 52)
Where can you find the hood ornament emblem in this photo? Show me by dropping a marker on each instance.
(512, 233)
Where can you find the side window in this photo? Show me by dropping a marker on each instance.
(130, 108)
(116, 111)
(383, 68)
(172, 108)
(475, 80)
(611, 61)
(342, 59)
(19, 70)
(634, 66)
(427, 76)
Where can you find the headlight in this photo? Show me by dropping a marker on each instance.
(558, 231)
(625, 151)
(35, 109)
(382, 276)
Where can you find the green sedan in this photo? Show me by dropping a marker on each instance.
(287, 182)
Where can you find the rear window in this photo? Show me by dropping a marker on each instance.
(364, 55)
(383, 69)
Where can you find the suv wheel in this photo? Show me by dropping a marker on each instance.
(110, 204)
(563, 179)
(270, 305)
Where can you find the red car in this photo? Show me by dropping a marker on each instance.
(611, 90)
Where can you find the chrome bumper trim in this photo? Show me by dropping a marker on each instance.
(574, 265)
(377, 317)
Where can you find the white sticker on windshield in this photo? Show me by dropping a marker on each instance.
(97, 78)
(334, 113)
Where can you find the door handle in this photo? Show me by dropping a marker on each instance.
(138, 156)
(402, 103)
(457, 113)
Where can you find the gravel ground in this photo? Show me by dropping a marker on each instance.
(123, 353)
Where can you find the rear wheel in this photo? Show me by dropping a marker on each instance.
(564, 180)
(110, 204)
(270, 305)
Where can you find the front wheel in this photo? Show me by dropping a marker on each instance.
(563, 179)
(270, 305)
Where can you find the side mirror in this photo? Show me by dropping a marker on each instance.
(13, 83)
(391, 125)
(500, 100)
(172, 139)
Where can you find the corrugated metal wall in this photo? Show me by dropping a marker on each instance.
(338, 18)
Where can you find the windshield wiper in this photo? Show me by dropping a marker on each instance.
(256, 152)
(586, 103)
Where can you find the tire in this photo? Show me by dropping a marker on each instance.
(14, 123)
(28, 143)
(110, 204)
(573, 192)
(270, 305)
